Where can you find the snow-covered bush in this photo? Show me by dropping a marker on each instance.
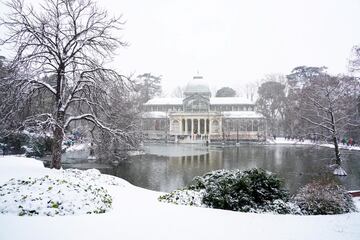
(323, 197)
(280, 207)
(250, 191)
(184, 197)
(68, 193)
(39, 145)
(33, 144)
(13, 143)
(241, 191)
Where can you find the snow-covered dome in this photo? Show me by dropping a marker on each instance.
(197, 85)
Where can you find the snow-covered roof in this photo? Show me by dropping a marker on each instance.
(227, 114)
(242, 114)
(213, 101)
(165, 101)
(154, 115)
(229, 101)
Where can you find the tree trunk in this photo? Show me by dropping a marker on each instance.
(337, 152)
(57, 142)
(60, 120)
(335, 140)
(338, 170)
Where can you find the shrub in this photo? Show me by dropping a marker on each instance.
(250, 191)
(13, 143)
(246, 191)
(323, 197)
(39, 146)
(30, 143)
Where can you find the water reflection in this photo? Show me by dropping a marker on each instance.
(296, 164)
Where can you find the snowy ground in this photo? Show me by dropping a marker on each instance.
(76, 152)
(283, 141)
(137, 214)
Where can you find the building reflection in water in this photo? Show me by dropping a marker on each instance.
(296, 165)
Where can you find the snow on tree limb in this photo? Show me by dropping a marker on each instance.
(62, 47)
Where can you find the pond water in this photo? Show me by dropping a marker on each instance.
(166, 167)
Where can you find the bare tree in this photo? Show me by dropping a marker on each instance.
(178, 92)
(325, 103)
(124, 114)
(354, 68)
(354, 62)
(249, 91)
(70, 40)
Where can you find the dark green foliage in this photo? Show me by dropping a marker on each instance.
(33, 145)
(258, 191)
(225, 92)
(323, 197)
(14, 142)
(271, 102)
(251, 190)
(39, 146)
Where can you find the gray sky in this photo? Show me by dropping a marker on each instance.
(233, 42)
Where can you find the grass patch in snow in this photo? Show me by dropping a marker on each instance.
(70, 192)
(184, 197)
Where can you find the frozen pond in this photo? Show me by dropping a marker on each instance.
(166, 167)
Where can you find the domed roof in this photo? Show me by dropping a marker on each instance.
(197, 85)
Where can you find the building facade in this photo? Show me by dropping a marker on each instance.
(198, 117)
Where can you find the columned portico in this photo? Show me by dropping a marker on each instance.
(194, 126)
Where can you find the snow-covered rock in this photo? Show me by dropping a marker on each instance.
(283, 141)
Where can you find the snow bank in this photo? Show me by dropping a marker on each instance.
(78, 147)
(341, 146)
(135, 153)
(63, 192)
(18, 167)
(50, 195)
(77, 152)
(283, 141)
(137, 214)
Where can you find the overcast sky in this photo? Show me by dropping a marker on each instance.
(233, 42)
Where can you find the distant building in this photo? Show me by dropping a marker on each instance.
(198, 117)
